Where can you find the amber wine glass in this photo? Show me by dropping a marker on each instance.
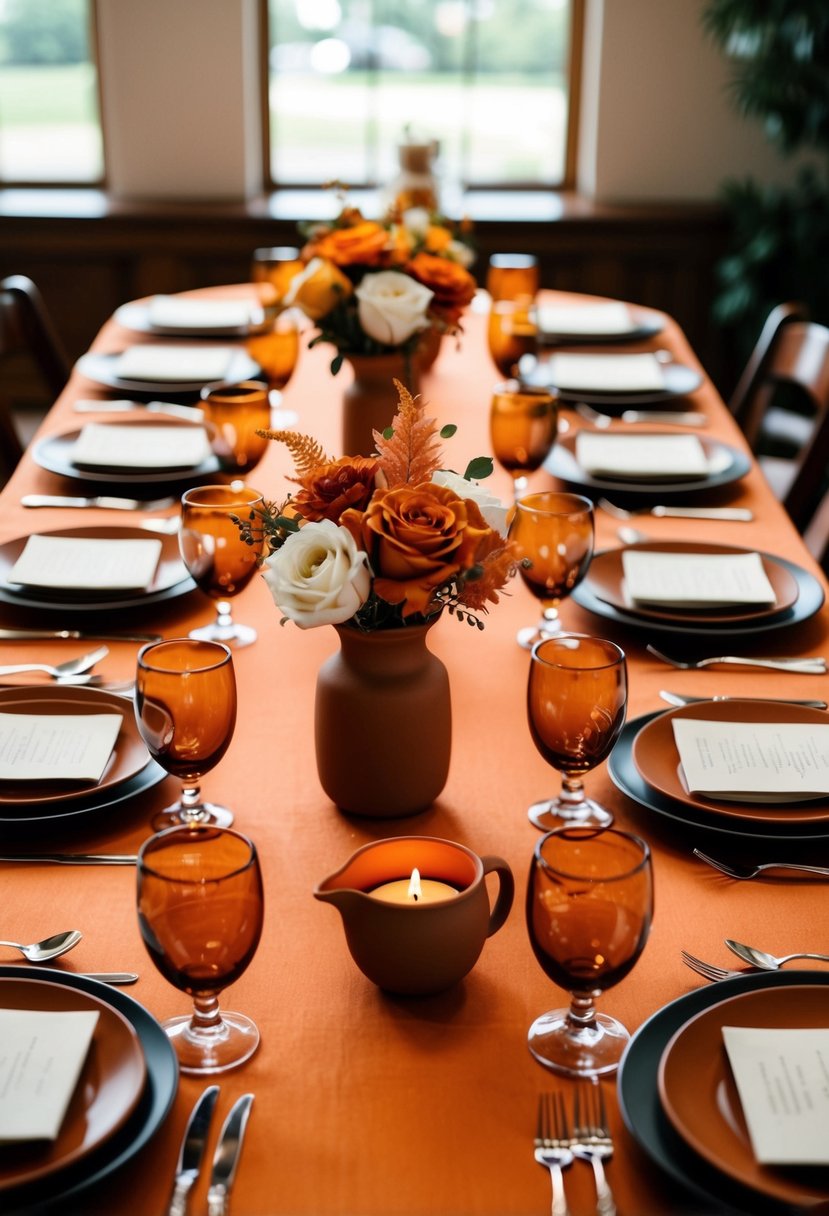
(276, 350)
(200, 907)
(589, 913)
(235, 414)
(185, 707)
(552, 536)
(277, 266)
(522, 428)
(511, 333)
(513, 276)
(219, 555)
(576, 702)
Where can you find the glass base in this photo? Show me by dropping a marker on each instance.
(577, 1051)
(556, 813)
(530, 634)
(204, 812)
(281, 419)
(233, 635)
(215, 1049)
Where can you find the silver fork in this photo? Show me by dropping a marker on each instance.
(63, 671)
(744, 872)
(737, 514)
(552, 1146)
(667, 417)
(807, 667)
(592, 1141)
(708, 971)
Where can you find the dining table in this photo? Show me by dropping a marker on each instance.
(369, 1103)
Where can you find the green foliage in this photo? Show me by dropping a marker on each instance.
(479, 468)
(45, 31)
(446, 432)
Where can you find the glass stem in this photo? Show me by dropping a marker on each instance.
(224, 618)
(519, 486)
(572, 792)
(192, 810)
(582, 1012)
(206, 1014)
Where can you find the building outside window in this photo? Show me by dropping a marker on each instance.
(489, 79)
(50, 129)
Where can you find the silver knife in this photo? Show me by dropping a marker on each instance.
(192, 1151)
(107, 502)
(737, 514)
(109, 977)
(31, 635)
(190, 412)
(78, 859)
(675, 698)
(226, 1157)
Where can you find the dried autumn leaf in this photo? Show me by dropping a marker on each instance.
(307, 453)
(412, 453)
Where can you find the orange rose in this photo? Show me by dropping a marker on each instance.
(332, 488)
(453, 286)
(416, 538)
(364, 243)
(437, 239)
(318, 288)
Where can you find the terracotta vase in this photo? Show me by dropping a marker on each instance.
(370, 401)
(383, 722)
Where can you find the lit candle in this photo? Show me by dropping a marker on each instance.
(414, 890)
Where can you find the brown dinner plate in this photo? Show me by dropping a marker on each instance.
(605, 579)
(56, 454)
(109, 1087)
(129, 755)
(656, 759)
(699, 1096)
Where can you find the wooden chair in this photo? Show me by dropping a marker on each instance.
(25, 329)
(782, 406)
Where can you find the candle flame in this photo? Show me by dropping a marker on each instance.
(414, 886)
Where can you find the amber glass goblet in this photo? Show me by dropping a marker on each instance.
(576, 702)
(552, 536)
(276, 266)
(589, 913)
(185, 707)
(200, 907)
(219, 555)
(513, 276)
(276, 350)
(511, 333)
(522, 427)
(235, 414)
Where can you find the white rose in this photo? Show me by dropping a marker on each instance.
(392, 306)
(490, 506)
(319, 576)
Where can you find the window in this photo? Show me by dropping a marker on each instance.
(489, 79)
(50, 130)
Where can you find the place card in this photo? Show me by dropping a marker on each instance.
(606, 319)
(642, 457)
(783, 1083)
(40, 1063)
(174, 363)
(695, 580)
(86, 563)
(773, 762)
(109, 445)
(56, 747)
(176, 312)
(607, 373)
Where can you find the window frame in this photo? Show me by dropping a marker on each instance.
(573, 75)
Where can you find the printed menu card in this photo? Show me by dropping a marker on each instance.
(782, 1078)
(175, 312)
(183, 363)
(607, 373)
(56, 747)
(86, 563)
(108, 445)
(41, 1058)
(695, 580)
(756, 761)
(611, 318)
(645, 457)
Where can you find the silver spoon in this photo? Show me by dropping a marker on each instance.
(50, 947)
(766, 962)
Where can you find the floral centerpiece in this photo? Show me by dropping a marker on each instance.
(373, 288)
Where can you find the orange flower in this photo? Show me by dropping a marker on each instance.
(438, 239)
(318, 288)
(416, 538)
(332, 488)
(364, 243)
(453, 286)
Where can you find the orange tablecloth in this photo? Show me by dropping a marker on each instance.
(370, 1105)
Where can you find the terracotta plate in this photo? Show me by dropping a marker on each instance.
(605, 577)
(700, 1098)
(55, 453)
(171, 577)
(108, 1091)
(101, 368)
(644, 323)
(129, 755)
(656, 759)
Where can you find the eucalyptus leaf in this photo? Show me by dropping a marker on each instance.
(479, 468)
(446, 432)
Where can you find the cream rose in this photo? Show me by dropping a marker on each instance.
(392, 306)
(490, 507)
(319, 576)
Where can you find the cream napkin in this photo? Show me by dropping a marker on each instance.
(86, 564)
(56, 747)
(41, 1061)
(174, 363)
(695, 580)
(607, 373)
(110, 446)
(642, 457)
(775, 762)
(176, 312)
(609, 319)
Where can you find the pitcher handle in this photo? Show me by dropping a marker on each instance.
(506, 891)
